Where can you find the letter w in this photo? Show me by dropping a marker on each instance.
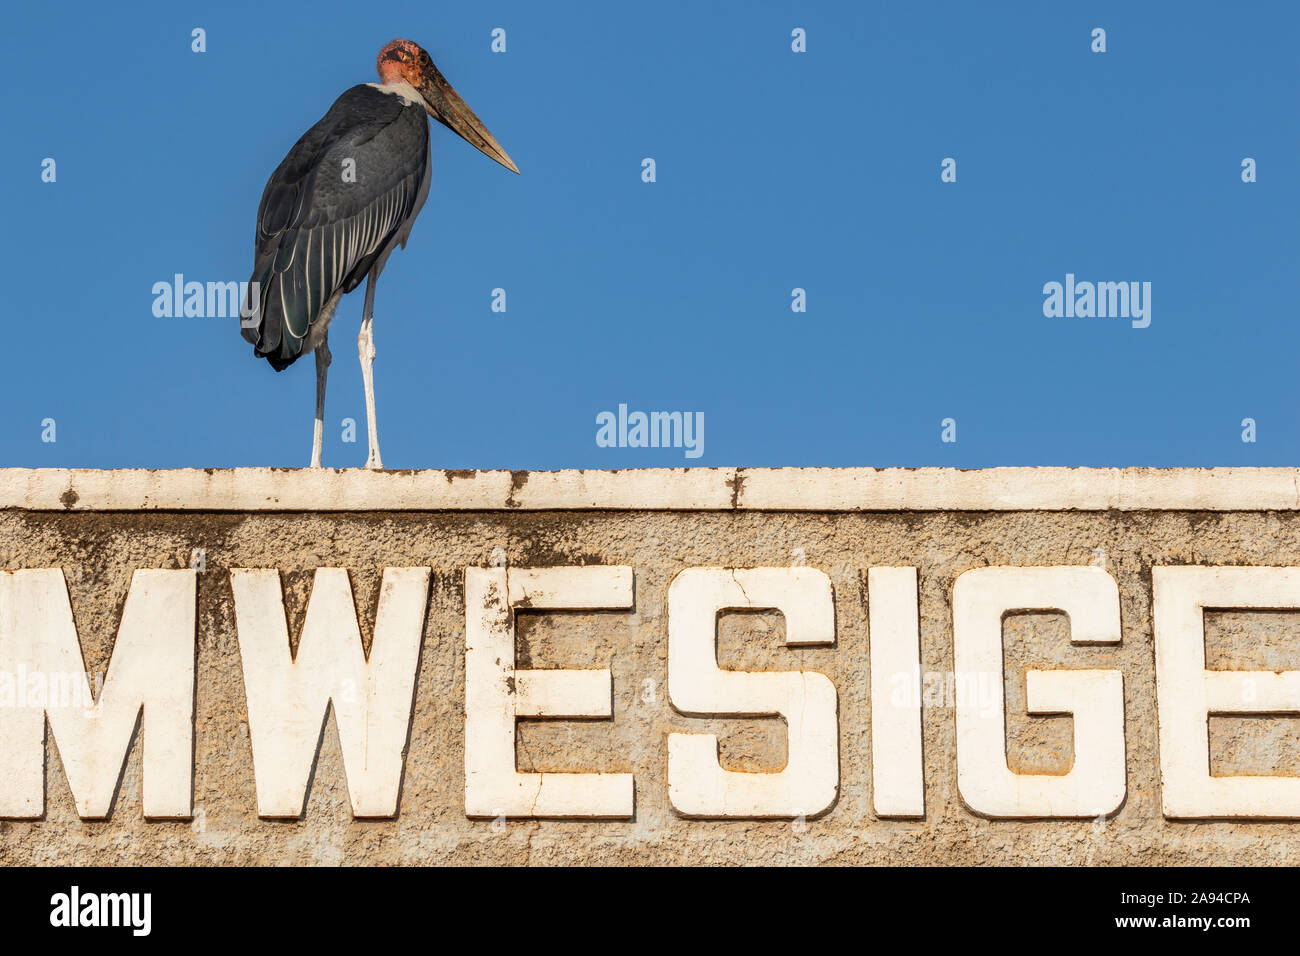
(289, 697)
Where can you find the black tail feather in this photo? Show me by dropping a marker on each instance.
(266, 329)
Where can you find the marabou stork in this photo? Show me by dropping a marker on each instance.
(331, 214)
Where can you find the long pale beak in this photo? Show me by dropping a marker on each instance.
(446, 106)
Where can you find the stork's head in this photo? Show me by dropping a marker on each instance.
(402, 61)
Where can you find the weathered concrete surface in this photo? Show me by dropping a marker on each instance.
(678, 489)
(98, 552)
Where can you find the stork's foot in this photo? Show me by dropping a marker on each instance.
(373, 462)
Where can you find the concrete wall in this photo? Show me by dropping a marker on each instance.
(99, 527)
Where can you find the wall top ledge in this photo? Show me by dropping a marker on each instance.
(653, 489)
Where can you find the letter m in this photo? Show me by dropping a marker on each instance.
(223, 299)
(666, 429)
(1112, 300)
(151, 670)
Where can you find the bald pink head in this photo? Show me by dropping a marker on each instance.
(402, 61)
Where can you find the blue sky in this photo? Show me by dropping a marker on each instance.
(775, 170)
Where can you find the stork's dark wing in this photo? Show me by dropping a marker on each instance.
(329, 209)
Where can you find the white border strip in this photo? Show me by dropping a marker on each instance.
(654, 489)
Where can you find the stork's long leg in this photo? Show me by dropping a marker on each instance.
(323, 358)
(366, 351)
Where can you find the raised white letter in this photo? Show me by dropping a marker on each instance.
(289, 697)
(1187, 693)
(1095, 784)
(894, 629)
(697, 785)
(152, 667)
(496, 693)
